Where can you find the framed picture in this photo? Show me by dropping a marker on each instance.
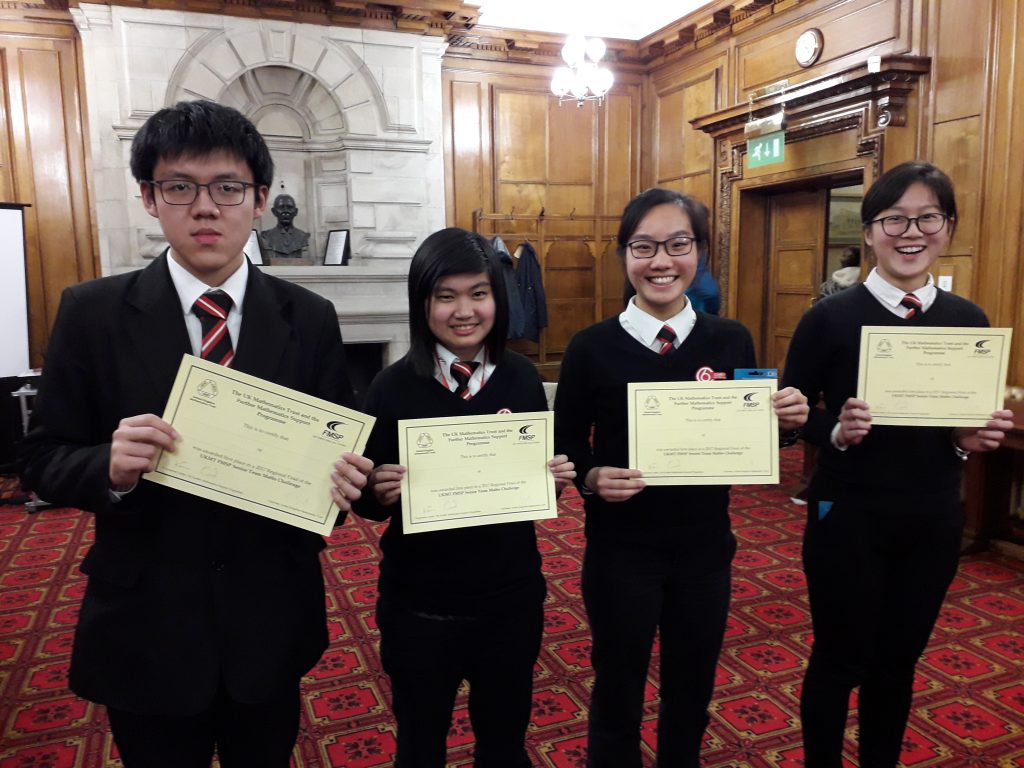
(338, 251)
(844, 226)
(253, 249)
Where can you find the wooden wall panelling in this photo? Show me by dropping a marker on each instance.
(48, 164)
(960, 60)
(851, 30)
(682, 158)
(467, 130)
(7, 186)
(957, 149)
(619, 158)
(576, 164)
(959, 39)
(999, 264)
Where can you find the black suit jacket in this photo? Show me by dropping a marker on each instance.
(182, 592)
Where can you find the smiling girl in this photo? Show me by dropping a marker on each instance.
(658, 558)
(462, 604)
(884, 516)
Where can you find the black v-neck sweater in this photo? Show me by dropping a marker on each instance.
(599, 363)
(824, 357)
(463, 571)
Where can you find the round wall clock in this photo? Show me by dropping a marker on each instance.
(808, 47)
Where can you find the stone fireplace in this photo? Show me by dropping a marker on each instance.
(352, 118)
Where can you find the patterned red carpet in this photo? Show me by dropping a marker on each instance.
(969, 711)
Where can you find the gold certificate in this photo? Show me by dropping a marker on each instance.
(933, 377)
(476, 470)
(704, 432)
(257, 446)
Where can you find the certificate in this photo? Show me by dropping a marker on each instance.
(933, 377)
(257, 446)
(704, 432)
(476, 470)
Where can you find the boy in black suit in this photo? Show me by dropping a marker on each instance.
(199, 619)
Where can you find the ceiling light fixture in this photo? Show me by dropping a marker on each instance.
(582, 79)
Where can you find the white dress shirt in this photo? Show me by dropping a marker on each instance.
(190, 288)
(645, 328)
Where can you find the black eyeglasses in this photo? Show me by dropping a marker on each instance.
(674, 246)
(927, 223)
(181, 192)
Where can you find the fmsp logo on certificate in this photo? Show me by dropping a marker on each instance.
(750, 400)
(333, 431)
(883, 348)
(524, 433)
(981, 348)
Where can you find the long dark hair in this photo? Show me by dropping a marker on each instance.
(452, 251)
(890, 186)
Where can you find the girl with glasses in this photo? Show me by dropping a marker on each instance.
(883, 517)
(658, 558)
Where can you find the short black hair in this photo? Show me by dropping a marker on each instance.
(890, 186)
(197, 129)
(651, 198)
(452, 251)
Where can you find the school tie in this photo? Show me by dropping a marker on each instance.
(667, 338)
(912, 303)
(462, 373)
(212, 310)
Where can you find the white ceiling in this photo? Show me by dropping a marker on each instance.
(623, 19)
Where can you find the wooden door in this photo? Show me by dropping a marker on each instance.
(796, 244)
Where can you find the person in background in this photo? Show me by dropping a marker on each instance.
(703, 292)
(884, 519)
(467, 603)
(658, 558)
(846, 276)
(198, 619)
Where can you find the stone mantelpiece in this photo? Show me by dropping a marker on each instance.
(372, 301)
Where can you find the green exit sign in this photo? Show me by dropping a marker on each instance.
(766, 150)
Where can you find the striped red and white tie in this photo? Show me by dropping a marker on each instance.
(212, 310)
(913, 305)
(666, 336)
(462, 372)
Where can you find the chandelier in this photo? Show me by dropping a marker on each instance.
(582, 79)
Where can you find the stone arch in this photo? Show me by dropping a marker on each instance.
(219, 58)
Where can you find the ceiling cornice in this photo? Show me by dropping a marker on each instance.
(425, 17)
(457, 22)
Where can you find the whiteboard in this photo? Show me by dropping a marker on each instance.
(13, 293)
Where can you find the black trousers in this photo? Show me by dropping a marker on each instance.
(427, 657)
(877, 574)
(630, 592)
(244, 735)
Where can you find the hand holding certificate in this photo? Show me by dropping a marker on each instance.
(476, 470)
(933, 377)
(704, 432)
(257, 446)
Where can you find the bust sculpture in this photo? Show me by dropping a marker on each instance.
(285, 242)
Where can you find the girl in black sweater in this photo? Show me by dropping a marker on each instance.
(462, 604)
(656, 558)
(884, 517)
